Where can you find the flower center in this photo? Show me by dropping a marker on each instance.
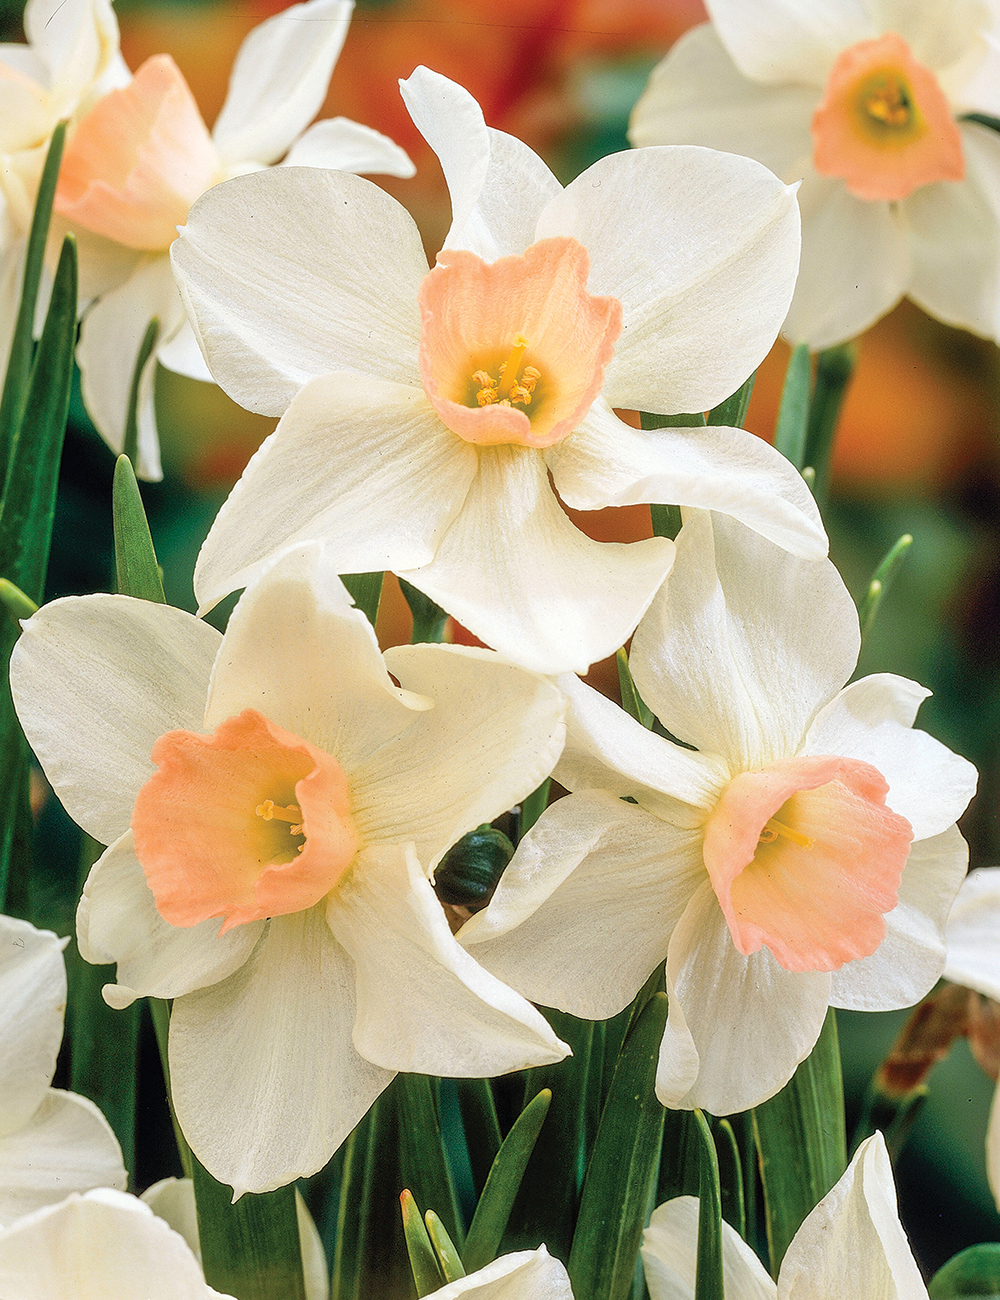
(485, 379)
(249, 822)
(806, 859)
(884, 124)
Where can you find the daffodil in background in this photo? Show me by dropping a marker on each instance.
(867, 102)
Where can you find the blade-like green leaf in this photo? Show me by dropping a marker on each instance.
(834, 368)
(130, 447)
(533, 807)
(135, 560)
(733, 411)
(708, 1278)
(429, 619)
(427, 1274)
(974, 1271)
(631, 701)
(882, 580)
(16, 603)
(482, 1128)
(731, 1177)
(793, 415)
(424, 1161)
(490, 1219)
(366, 592)
(622, 1169)
(444, 1248)
(649, 420)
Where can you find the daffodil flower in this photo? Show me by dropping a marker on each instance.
(795, 850)
(852, 1244)
(426, 411)
(864, 101)
(274, 805)
(525, 1275)
(51, 1142)
(137, 160)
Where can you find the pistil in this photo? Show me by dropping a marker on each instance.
(773, 828)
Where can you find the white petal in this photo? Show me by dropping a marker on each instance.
(518, 574)
(748, 1021)
(790, 40)
(279, 80)
(608, 463)
(872, 720)
(32, 1003)
(697, 246)
(76, 47)
(856, 263)
(697, 95)
(350, 448)
(182, 355)
(110, 338)
(96, 681)
(606, 749)
(101, 1246)
(497, 184)
(852, 1244)
(670, 1257)
(424, 1004)
(951, 230)
(347, 146)
(911, 958)
(938, 35)
(266, 1081)
(117, 921)
(743, 644)
(492, 737)
(67, 1146)
(972, 927)
(583, 913)
(278, 290)
(526, 1275)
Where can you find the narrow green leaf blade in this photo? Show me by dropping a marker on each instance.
(834, 368)
(366, 592)
(731, 1177)
(130, 447)
(490, 1219)
(482, 1128)
(429, 619)
(137, 572)
(631, 700)
(535, 804)
(424, 1160)
(793, 414)
(733, 411)
(16, 603)
(974, 1271)
(444, 1248)
(427, 1274)
(649, 420)
(708, 1278)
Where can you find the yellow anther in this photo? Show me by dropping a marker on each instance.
(772, 829)
(510, 367)
(272, 811)
(486, 396)
(483, 379)
(889, 104)
(520, 394)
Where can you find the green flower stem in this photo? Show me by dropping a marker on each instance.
(834, 368)
(709, 1275)
(793, 414)
(130, 447)
(733, 411)
(882, 580)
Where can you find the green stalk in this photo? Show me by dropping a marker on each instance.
(130, 447)
(793, 414)
(882, 580)
(366, 592)
(709, 1274)
(834, 368)
(429, 620)
(733, 411)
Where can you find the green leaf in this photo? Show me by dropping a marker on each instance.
(138, 574)
(490, 1219)
(130, 447)
(733, 411)
(444, 1248)
(802, 1141)
(974, 1271)
(429, 620)
(983, 119)
(708, 1278)
(834, 368)
(533, 807)
(366, 591)
(793, 415)
(16, 603)
(424, 1160)
(882, 580)
(631, 700)
(159, 1014)
(15, 388)
(427, 1274)
(731, 1177)
(648, 420)
(622, 1169)
(482, 1128)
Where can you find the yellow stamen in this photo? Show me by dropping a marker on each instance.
(510, 366)
(272, 811)
(772, 829)
(889, 104)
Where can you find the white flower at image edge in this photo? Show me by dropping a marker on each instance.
(423, 412)
(851, 1246)
(307, 822)
(863, 101)
(51, 1142)
(801, 853)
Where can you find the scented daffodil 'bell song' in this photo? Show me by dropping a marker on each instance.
(424, 413)
(800, 852)
(136, 161)
(865, 103)
(274, 805)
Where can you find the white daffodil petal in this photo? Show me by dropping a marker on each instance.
(269, 271)
(608, 463)
(788, 40)
(67, 1146)
(182, 355)
(96, 680)
(492, 737)
(262, 1039)
(951, 233)
(697, 95)
(670, 1257)
(347, 146)
(525, 1275)
(938, 35)
(872, 720)
(696, 245)
(855, 265)
(362, 448)
(911, 958)
(424, 1005)
(852, 1244)
(606, 749)
(110, 338)
(497, 184)
(743, 643)
(515, 571)
(101, 1246)
(32, 1003)
(328, 682)
(583, 913)
(971, 932)
(279, 80)
(76, 48)
(750, 1021)
(117, 921)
